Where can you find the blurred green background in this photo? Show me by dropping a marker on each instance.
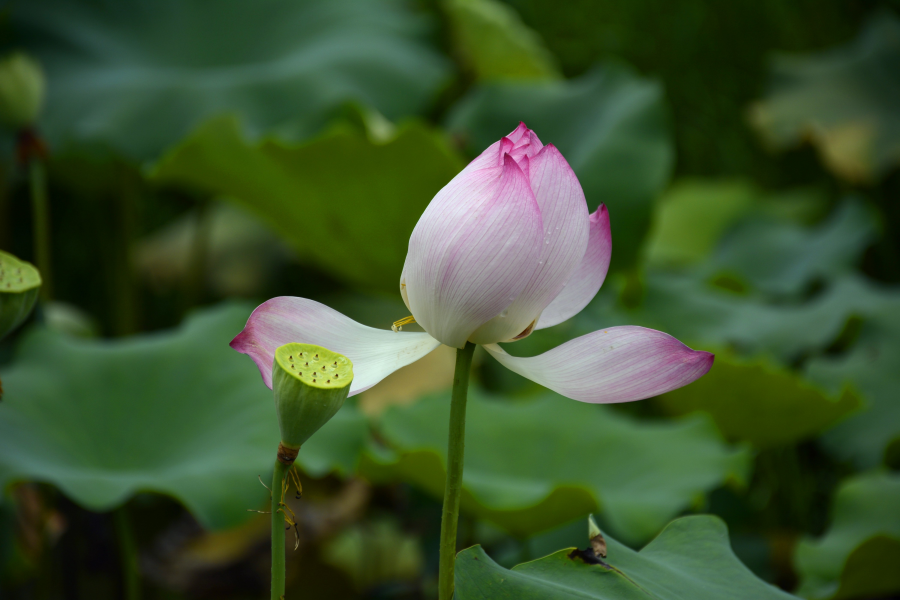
(204, 157)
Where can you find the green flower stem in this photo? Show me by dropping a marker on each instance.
(278, 566)
(41, 211)
(128, 555)
(455, 457)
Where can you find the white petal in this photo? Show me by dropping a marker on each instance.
(589, 275)
(619, 364)
(375, 353)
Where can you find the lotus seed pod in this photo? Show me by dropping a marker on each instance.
(310, 384)
(19, 285)
(22, 87)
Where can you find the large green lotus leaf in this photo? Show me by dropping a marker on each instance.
(610, 124)
(535, 464)
(691, 558)
(346, 203)
(858, 556)
(178, 413)
(138, 76)
(693, 215)
(493, 42)
(844, 100)
(781, 258)
(760, 403)
(872, 366)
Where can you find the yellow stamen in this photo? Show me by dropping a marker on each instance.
(398, 325)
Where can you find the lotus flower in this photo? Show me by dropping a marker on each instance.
(505, 248)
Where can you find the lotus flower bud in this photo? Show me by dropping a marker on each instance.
(598, 543)
(310, 384)
(19, 285)
(21, 90)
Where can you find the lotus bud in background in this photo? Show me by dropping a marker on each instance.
(310, 384)
(22, 86)
(598, 542)
(19, 285)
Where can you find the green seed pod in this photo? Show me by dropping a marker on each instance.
(21, 90)
(311, 384)
(19, 285)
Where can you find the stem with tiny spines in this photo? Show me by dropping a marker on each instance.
(455, 458)
(278, 550)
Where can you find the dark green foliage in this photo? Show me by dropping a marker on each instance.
(746, 151)
(136, 77)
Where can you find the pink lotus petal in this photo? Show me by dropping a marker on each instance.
(519, 132)
(619, 364)
(522, 142)
(587, 278)
(566, 228)
(473, 251)
(525, 144)
(375, 353)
